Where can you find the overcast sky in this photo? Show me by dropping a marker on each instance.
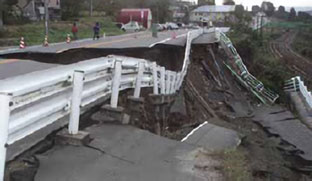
(287, 3)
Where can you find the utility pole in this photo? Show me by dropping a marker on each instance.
(261, 30)
(46, 11)
(91, 7)
(1, 14)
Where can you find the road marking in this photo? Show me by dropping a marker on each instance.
(193, 131)
(8, 61)
(165, 40)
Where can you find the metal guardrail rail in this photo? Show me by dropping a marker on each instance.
(33, 101)
(295, 84)
(235, 64)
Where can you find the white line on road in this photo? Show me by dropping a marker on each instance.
(165, 40)
(193, 131)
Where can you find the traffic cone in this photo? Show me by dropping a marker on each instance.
(174, 35)
(22, 43)
(46, 43)
(68, 38)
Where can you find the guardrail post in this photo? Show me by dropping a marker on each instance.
(168, 82)
(162, 80)
(138, 82)
(73, 126)
(178, 81)
(116, 84)
(173, 82)
(4, 130)
(155, 79)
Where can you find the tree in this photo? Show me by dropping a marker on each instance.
(255, 9)
(292, 14)
(71, 8)
(281, 13)
(268, 8)
(281, 9)
(228, 2)
(206, 2)
(1, 13)
(304, 16)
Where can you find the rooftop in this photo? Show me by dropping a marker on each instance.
(220, 8)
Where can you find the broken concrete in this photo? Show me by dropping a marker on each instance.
(108, 114)
(135, 104)
(125, 153)
(281, 122)
(216, 138)
(302, 107)
(64, 138)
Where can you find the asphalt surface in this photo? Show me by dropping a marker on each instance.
(15, 67)
(279, 121)
(126, 153)
(141, 39)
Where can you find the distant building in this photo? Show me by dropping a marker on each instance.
(142, 16)
(34, 9)
(180, 10)
(216, 14)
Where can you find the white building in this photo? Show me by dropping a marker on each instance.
(212, 13)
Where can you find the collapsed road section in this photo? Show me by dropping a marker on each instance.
(209, 92)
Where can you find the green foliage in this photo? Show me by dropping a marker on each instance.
(268, 8)
(70, 8)
(34, 32)
(292, 14)
(229, 2)
(303, 43)
(234, 164)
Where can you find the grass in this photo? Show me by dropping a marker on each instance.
(34, 32)
(302, 43)
(234, 164)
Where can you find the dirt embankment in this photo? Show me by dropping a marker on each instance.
(234, 106)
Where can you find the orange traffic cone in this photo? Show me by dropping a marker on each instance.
(46, 43)
(174, 35)
(68, 38)
(22, 43)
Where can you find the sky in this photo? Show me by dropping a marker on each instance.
(286, 3)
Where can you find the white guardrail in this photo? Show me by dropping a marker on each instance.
(295, 84)
(33, 101)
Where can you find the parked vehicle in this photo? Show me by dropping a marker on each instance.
(165, 27)
(181, 25)
(119, 25)
(159, 27)
(172, 26)
(132, 26)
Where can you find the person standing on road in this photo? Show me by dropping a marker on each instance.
(96, 30)
(75, 31)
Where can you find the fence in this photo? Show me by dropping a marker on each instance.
(297, 85)
(33, 101)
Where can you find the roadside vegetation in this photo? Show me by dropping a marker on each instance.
(234, 164)
(254, 46)
(34, 33)
(302, 43)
